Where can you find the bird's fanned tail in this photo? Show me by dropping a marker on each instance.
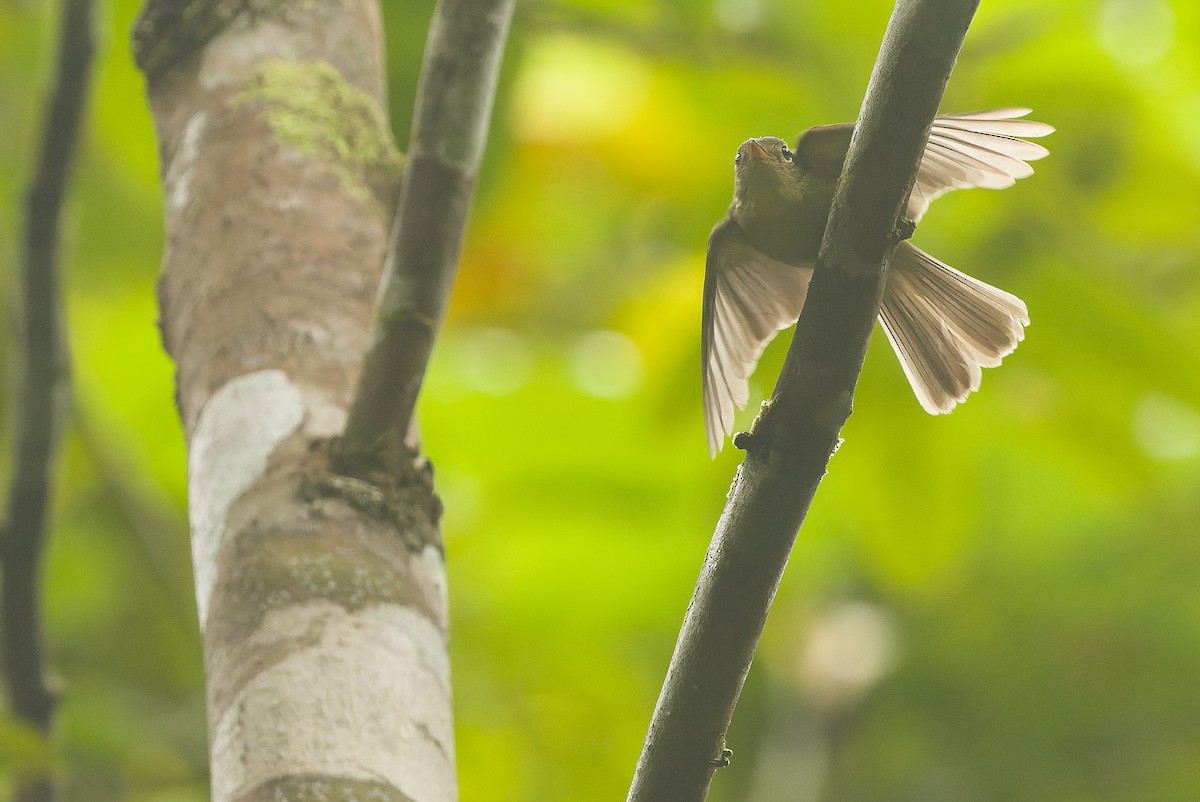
(946, 326)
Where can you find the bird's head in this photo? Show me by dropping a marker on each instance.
(764, 172)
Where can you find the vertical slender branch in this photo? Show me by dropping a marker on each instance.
(453, 110)
(43, 366)
(790, 446)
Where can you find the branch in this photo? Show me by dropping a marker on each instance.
(43, 367)
(450, 124)
(792, 441)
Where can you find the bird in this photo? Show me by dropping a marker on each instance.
(943, 324)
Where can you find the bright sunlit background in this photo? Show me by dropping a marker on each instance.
(1001, 604)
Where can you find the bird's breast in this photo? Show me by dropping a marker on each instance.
(786, 229)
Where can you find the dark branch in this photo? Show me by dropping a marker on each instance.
(43, 364)
(792, 441)
(453, 109)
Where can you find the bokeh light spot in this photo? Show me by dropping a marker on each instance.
(492, 360)
(1166, 428)
(570, 91)
(606, 364)
(849, 649)
(1137, 33)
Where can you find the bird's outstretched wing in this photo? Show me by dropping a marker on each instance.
(747, 298)
(979, 149)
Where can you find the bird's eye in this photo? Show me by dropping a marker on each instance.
(787, 154)
(737, 159)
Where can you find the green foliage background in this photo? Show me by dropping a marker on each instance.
(1002, 604)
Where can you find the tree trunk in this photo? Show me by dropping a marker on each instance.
(321, 597)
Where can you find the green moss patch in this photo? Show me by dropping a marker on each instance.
(310, 107)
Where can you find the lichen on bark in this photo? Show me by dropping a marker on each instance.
(310, 107)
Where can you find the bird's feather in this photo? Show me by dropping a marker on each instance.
(980, 149)
(945, 326)
(748, 297)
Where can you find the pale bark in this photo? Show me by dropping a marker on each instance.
(321, 597)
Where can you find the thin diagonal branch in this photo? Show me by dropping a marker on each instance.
(453, 110)
(43, 365)
(791, 443)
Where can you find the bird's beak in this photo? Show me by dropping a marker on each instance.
(756, 152)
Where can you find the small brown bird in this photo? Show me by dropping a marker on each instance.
(944, 326)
